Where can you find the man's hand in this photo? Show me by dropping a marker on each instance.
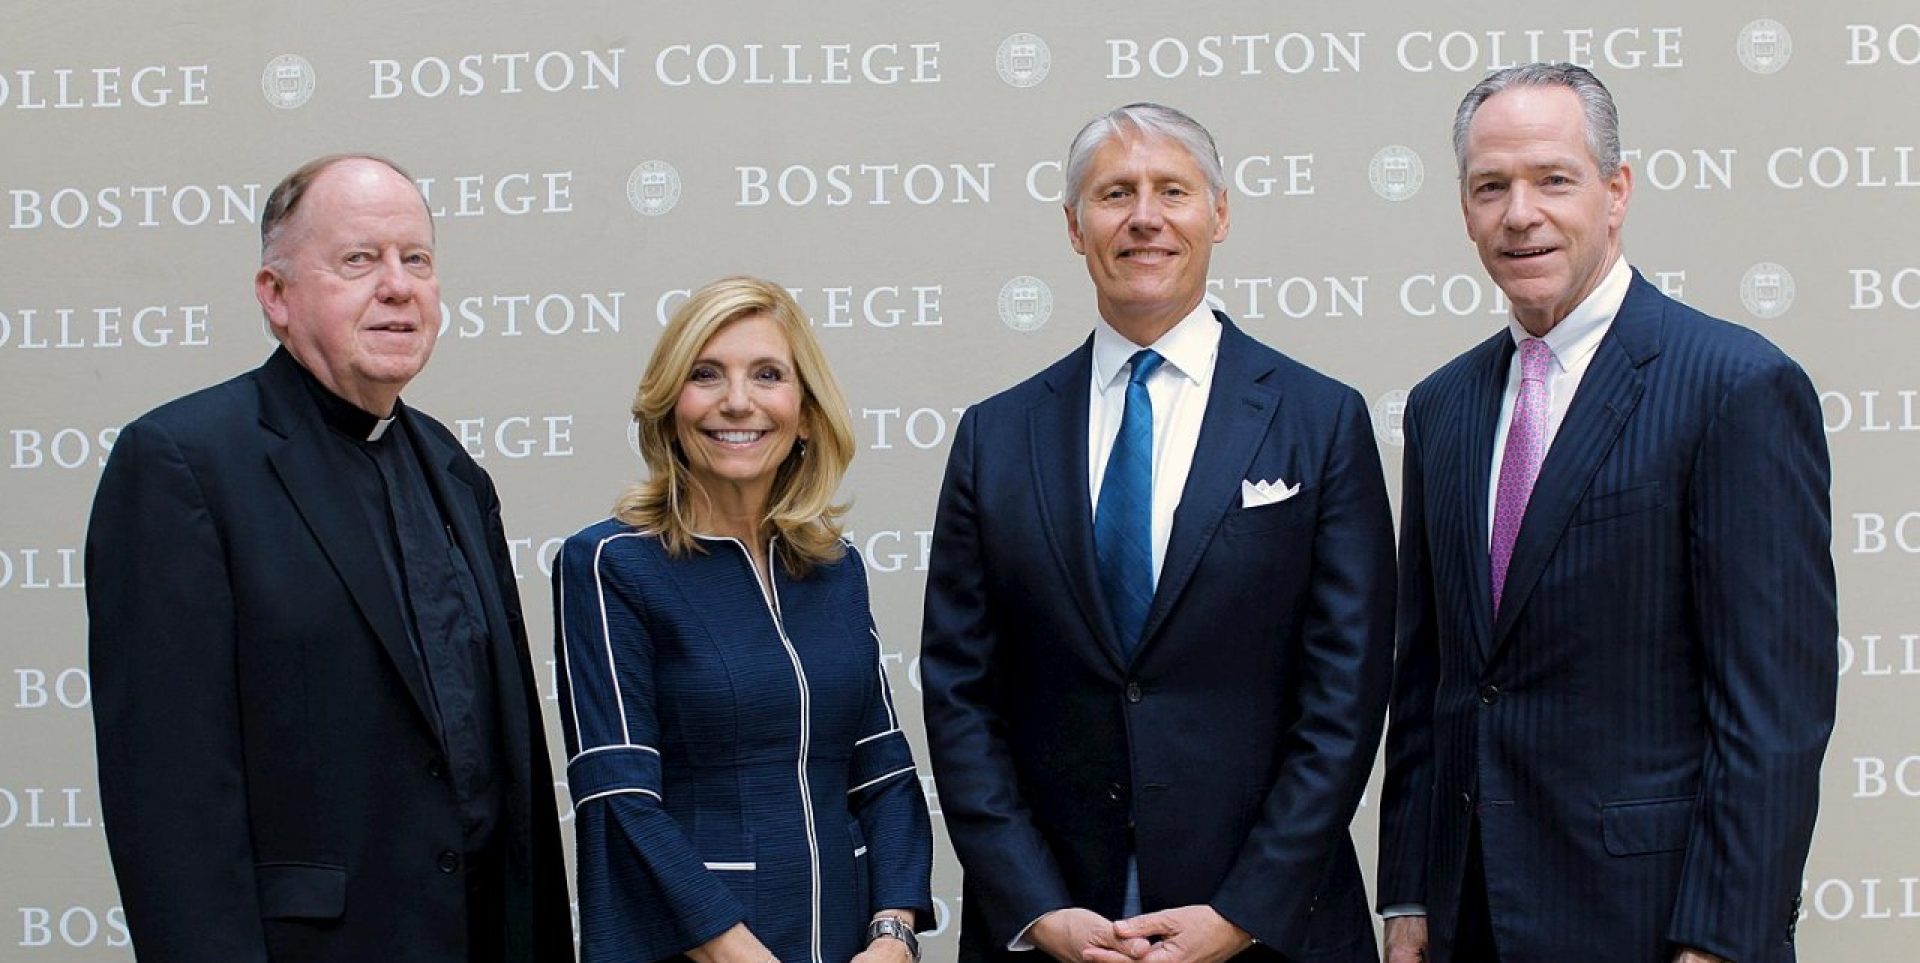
(1689, 955)
(1074, 935)
(1406, 940)
(1186, 934)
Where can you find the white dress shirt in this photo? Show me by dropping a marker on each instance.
(1179, 389)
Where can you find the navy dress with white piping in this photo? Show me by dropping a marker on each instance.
(734, 754)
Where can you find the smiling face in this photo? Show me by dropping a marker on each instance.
(1147, 223)
(739, 411)
(1546, 223)
(351, 289)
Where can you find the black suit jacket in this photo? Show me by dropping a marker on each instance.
(1639, 733)
(1230, 751)
(271, 779)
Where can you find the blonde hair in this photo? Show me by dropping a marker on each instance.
(801, 510)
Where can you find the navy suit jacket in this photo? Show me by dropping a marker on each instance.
(1230, 751)
(272, 779)
(1639, 732)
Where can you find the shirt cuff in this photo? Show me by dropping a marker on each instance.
(1403, 909)
(1020, 943)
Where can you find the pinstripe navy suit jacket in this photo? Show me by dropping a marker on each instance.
(1638, 733)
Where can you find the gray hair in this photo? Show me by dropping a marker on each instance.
(286, 196)
(1142, 119)
(1603, 121)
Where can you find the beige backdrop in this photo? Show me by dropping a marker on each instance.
(898, 165)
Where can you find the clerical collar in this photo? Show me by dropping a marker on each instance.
(344, 416)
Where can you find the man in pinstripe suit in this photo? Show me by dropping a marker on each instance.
(1615, 651)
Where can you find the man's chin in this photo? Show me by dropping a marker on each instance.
(392, 372)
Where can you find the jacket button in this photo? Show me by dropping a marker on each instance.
(1466, 802)
(436, 768)
(1133, 692)
(1113, 791)
(449, 861)
(1489, 694)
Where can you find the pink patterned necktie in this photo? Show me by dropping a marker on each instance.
(1520, 463)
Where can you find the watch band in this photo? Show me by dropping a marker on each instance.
(894, 928)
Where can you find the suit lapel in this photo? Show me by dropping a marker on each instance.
(339, 525)
(1488, 384)
(1240, 410)
(1607, 395)
(1057, 436)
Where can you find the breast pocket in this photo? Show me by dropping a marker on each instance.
(1618, 504)
(1297, 511)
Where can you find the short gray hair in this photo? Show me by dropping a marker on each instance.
(1142, 119)
(1603, 121)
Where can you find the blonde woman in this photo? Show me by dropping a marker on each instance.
(742, 790)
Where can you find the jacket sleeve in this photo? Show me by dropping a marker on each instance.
(1406, 793)
(644, 891)
(1012, 878)
(886, 797)
(162, 657)
(1345, 664)
(1765, 614)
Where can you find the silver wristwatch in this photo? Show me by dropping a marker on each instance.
(895, 928)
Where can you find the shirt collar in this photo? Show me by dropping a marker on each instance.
(1580, 331)
(344, 416)
(1188, 347)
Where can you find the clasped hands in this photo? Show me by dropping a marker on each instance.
(1185, 934)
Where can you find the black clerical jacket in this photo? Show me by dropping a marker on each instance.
(273, 782)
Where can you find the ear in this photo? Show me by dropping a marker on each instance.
(1220, 217)
(271, 291)
(1619, 192)
(1073, 230)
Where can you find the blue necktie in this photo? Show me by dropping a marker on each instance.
(1123, 521)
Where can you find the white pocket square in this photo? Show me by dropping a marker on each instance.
(1255, 494)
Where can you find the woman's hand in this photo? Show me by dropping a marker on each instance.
(736, 945)
(887, 949)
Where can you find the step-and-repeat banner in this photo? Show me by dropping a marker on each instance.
(898, 166)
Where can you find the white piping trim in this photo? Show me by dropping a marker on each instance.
(614, 792)
(588, 752)
(881, 779)
(606, 634)
(886, 689)
(877, 735)
(733, 867)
